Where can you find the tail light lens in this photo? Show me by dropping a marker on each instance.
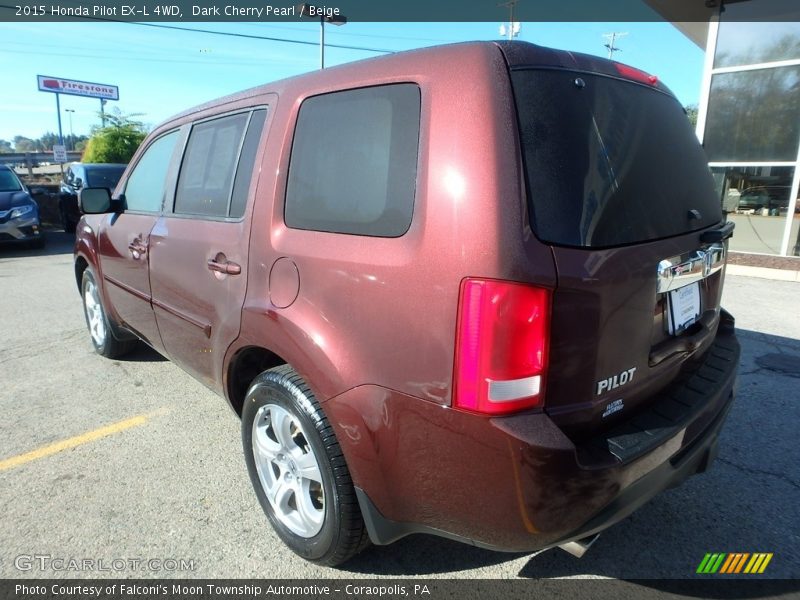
(501, 346)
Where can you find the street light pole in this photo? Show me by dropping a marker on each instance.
(71, 134)
(308, 10)
(322, 42)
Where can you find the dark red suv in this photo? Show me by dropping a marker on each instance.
(471, 291)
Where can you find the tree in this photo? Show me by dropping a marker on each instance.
(47, 141)
(691, 112)
(23, 144)
(117, 141)
(5, 147)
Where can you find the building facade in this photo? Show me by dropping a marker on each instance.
(749, 124)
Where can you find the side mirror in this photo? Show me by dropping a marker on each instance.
(94, 201)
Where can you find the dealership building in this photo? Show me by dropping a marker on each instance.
(749, 113)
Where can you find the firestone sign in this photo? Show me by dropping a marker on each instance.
(59, 85)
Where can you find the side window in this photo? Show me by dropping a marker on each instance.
(144, 190)
(209, 166)
(247, 160)
(353, 166)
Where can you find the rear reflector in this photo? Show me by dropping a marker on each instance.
(501, 346)
(636, 74)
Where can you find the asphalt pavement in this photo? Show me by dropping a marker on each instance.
(150, 468)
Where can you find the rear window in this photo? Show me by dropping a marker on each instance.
(609, 162)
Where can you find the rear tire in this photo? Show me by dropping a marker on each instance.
(102, 336)
(298, 471)
(69, 225)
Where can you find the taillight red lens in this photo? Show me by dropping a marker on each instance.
(501, 346)
(636, 74)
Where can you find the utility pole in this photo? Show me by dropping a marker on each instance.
(612, 38)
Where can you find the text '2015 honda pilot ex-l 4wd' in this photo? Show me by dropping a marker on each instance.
(471, 291)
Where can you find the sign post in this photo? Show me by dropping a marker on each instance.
(60, 153)
(74, 87)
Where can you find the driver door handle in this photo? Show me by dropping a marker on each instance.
(137, 248)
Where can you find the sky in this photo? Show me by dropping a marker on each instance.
(162, 71)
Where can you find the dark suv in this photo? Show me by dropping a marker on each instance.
(447, 291)
(78, 176)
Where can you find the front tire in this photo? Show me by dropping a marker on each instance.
(97, 321)
(298, 471)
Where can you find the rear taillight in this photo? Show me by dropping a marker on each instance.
(636, 74)
(501, 346)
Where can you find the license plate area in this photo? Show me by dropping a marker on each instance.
(679, 280)
(683, 308)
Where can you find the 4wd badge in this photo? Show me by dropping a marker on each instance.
(613, 407)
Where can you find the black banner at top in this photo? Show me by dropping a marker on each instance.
(399, 10)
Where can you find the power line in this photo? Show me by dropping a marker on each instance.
(612, 38)
(254, 37)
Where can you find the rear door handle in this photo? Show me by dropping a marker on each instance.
(220, 264)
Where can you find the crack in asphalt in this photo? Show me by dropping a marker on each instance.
(753, 471)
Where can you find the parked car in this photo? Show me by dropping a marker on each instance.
(19, 213)
(77, 176)
(774, 198)
(458, 301)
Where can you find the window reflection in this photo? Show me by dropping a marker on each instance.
(754, 43)
(754, 116)
(757, 200)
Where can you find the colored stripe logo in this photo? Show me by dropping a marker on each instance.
(732, 563)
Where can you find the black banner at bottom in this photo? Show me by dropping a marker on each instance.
(393, 589)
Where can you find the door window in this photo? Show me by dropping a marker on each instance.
(144, 190)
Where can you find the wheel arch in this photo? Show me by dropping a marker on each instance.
(244, 366)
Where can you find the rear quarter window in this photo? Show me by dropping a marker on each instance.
(353, 163)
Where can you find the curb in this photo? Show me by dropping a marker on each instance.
(763, 273)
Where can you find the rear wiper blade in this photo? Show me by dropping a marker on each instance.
(719, 234)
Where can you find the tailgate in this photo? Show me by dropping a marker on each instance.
(618, 186)
(611, 345)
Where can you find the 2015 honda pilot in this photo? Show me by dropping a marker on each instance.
(472, 290)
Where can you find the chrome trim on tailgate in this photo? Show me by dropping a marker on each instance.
(678, 271)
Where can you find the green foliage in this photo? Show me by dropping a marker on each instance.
(42, 144)
(23, 144)
(117, 141)
(5, 147)
(691, 112)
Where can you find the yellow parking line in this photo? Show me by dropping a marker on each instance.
(78, 440)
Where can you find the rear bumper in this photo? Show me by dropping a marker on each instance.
(518, 483)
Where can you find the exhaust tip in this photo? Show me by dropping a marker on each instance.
(579, 547)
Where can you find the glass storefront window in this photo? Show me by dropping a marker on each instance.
(754, 43)
(757, 200)
(754, 116)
